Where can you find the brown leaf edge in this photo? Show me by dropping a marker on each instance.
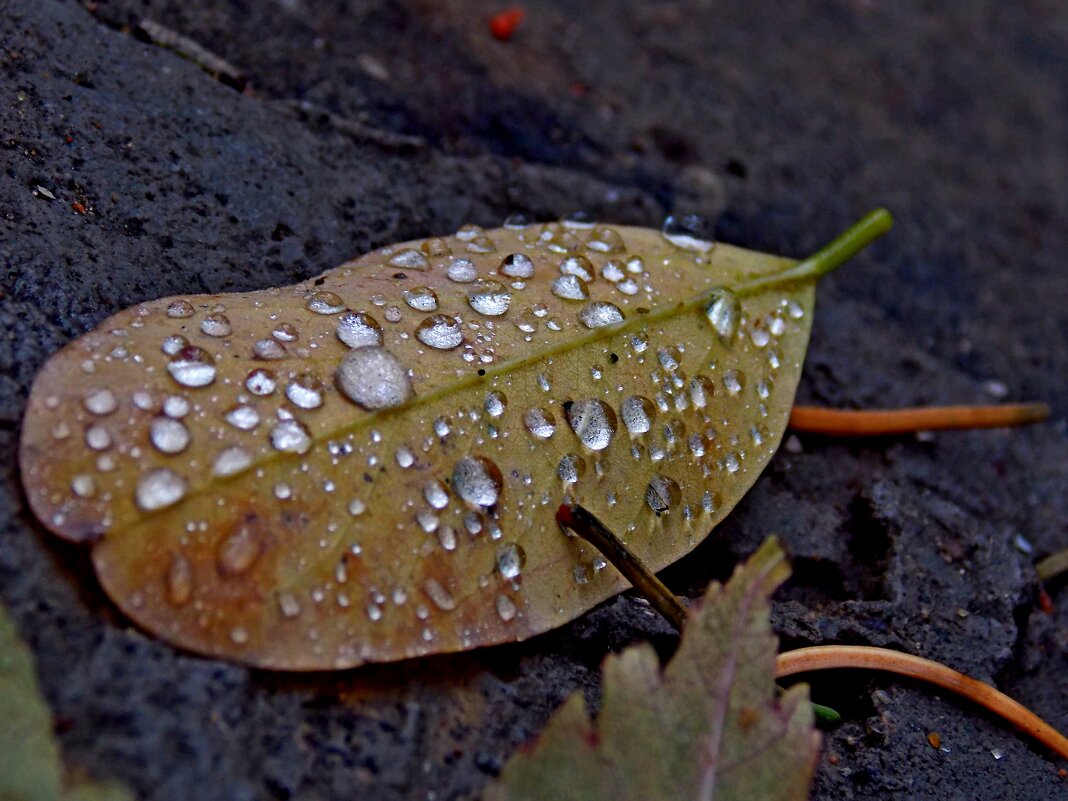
(30, 767)
(647, 742)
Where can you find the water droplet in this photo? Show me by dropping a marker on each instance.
(291, 436)
(506, 610)
(436, 494)
(764, 388)
(490, 298)
(662, 494)
(231, 461)
(578, 266)
(711, 501)
(441, 427)
(570, 287)
(404, 456)
(237, 551)
(288, 605)
(702, 391)
(462, 271)
(760, 334)
(181, 308)
(305, 391)
(723, 311)
(628, 286)
(477, 480)
(422, 298)
(176, 406)
(605, 240)
(481, 244)
(373, 378)
(97, 438)
(581, 220)
(774, 358)
(689, 232)
(527, 322)
(356, 507)
(216, 325)
(438, 595)
(613, 272)
(358, 329)
(410, 259)
(698, 444)
(517, 265)
(543, 382)
(440, 331)
(794, 309)
(447, 538)
(83, 485)
(285, 332)
(325, 303)
(268, 350)
(731, 462)
(178, 583)
(435, 247)
(192, 367)
(510, 560)
(758, 433)
(669, 358)
(776, 325)
(540, 423)
(243, 417)
(239, 635)
(168, 436)
(260, 382)
(100, 402)
(593, 422)
(517, 222)
(174, 343)
(599, 313)
(637, 412)
(733, 381)
(159, 489)
(495, 403)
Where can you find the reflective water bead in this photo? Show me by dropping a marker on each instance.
(305, 391)
(517, 265)
(291, 436)
(669, 357)
(268, 349)
(477, 480)
(462, 271)
(373, 378)
(599, 313)
(438, 595)
(325, 303)
(421, 298)
(723, 312)
(436, 494)
(100, 402)
(540, 423)
(176, 406)
(570, 287)
(180, 308)
(690, 232)
(97, 438)
(404, 456)
(613, 272)
(506, 609)
(490, 298)
(593, 422)
(159, 489)
(178, 581)
(510, 560)
(260, 382)
(733, 381)
(285, 332)
(637, 412)
(662, 495)
(168, 436)
(237, 551)
(358, 329)
(216, 325)
(231, 461)
(242, 417)
(410, 259)
(440, 331)
(517, 222)
(605, 240)
(174, 343)
(495, 403)
(192, 367)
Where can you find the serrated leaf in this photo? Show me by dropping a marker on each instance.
(709, 726)
(365, 466)
(29, 756)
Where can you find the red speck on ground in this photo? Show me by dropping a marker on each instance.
(502, 25)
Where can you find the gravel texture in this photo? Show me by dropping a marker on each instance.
(363, 124)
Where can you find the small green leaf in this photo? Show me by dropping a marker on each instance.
(29, 755)
(711, 725)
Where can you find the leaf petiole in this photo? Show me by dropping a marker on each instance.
(882, 422)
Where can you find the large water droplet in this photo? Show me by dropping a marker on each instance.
(701, 391)
(440, 331)
(373, 378)
(637, 413)
(174, 343)
(216, 325)
(436, 494)
(180, 308)
(179, 580)
(260, 382)
(176, 406)
(237, 551)
(593, 422)
(517, 221)
(490, 298)
(422, 298)
(100, 402)
(462, 271)
(291, 436)
(495, 403)
(662, 494)
(690, 232)
(578, 266)
(570, 468)
(168, 436)
(325, 303)
(97, 438)
(517, 265)
(540, 423)
(288, 605)
(192, 367)
(605, 240)
(477, 480)
(669, 357)
(506, 610)
(358, 329)
(731, 462)
(305, 391)
(159, 489)
(410, 259)
(438, 595)
(570, 287)
(599, 313)
(724, 311)
(285, 332)
(733, 381)
(510, 560)
(231, 461)
(268, 349)
(435, 246)
(242, 417)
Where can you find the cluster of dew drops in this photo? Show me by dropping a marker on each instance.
(373, 378)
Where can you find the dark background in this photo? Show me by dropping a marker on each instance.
(784, 121)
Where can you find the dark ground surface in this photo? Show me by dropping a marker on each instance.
(788, 124)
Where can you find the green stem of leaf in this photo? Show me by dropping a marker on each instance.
(1052, 566)
(831, 256)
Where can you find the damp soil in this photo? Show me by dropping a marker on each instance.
(331, 128)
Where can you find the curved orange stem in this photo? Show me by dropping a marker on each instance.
(826, 657)
(879, 422)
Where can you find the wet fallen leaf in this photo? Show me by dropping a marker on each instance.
(29, 756)
(365, 466)
(708, 726)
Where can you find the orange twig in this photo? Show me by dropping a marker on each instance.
(878, 422)
(826, 657)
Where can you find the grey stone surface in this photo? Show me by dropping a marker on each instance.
(790, 121)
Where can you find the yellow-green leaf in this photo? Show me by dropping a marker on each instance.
(29, 756)
(365, 466)
(707, 726)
